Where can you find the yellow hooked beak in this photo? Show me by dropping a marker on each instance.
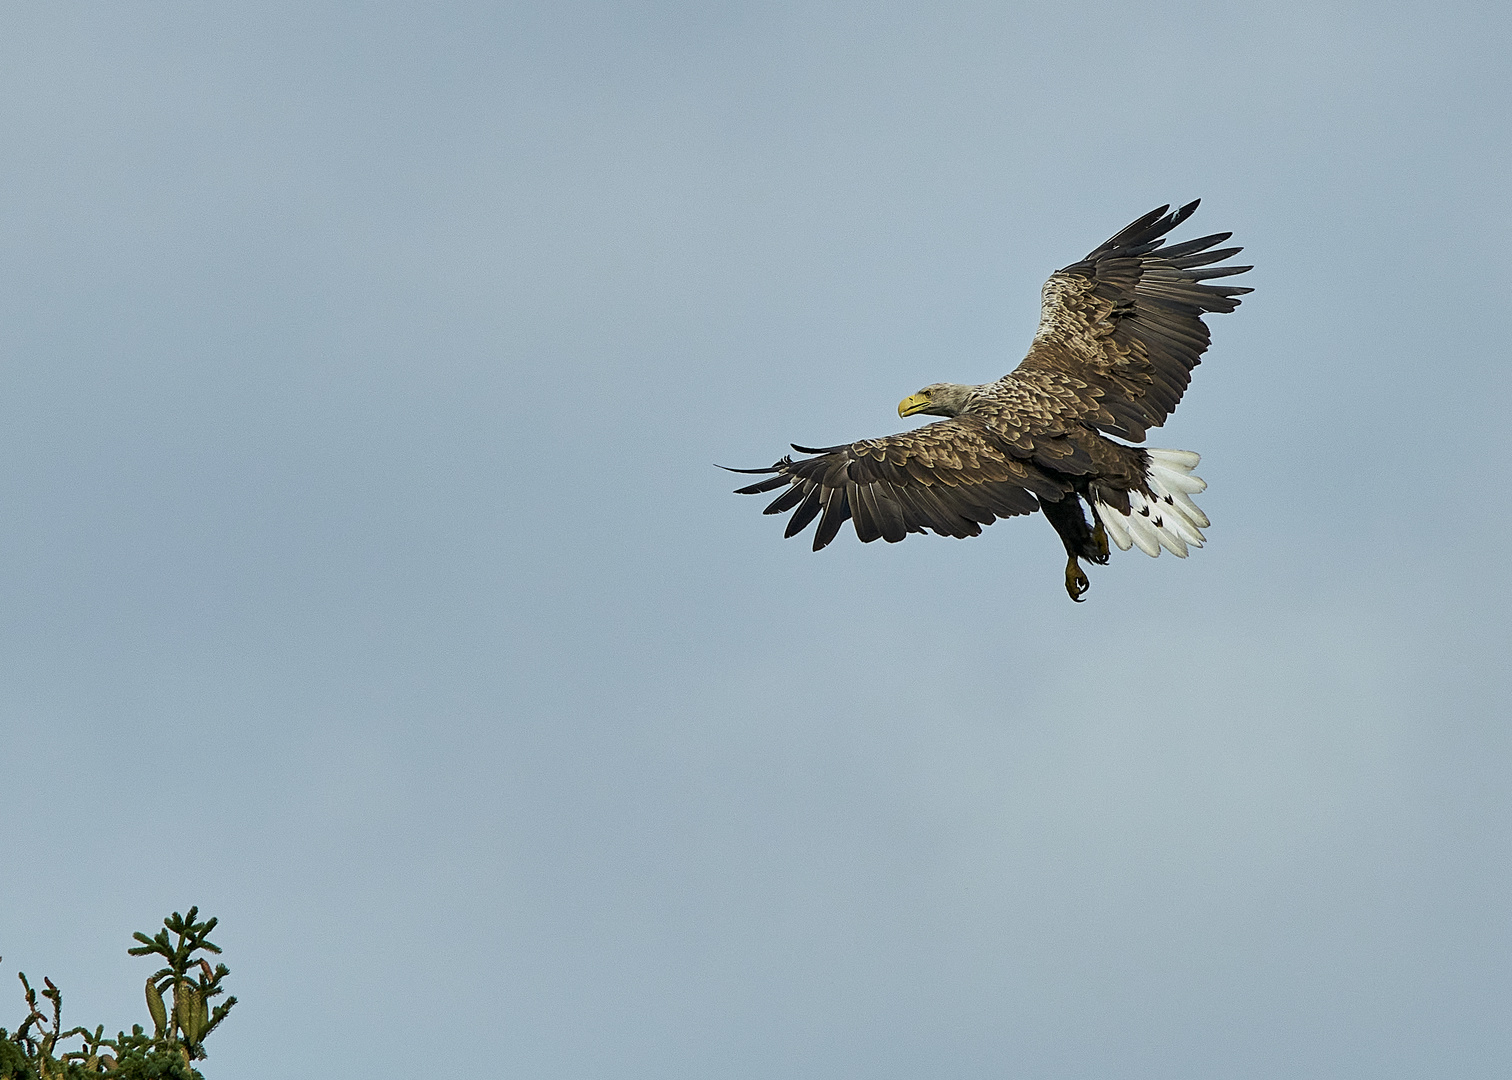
(913, 403)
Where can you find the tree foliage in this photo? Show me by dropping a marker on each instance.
(179, 1003)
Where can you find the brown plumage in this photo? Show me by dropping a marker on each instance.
(1120, 332)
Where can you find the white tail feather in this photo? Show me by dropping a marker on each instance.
(1114, 523)
(1182, 460)
(1167, 517)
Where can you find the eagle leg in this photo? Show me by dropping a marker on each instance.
(1076, 581)
(1079, 540)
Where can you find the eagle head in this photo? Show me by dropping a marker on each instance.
(937, 399)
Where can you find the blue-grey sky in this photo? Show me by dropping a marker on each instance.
(365, 579)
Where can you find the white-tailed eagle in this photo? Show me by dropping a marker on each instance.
(1119, 334)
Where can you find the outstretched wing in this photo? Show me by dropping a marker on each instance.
(1121, 330)
(950, 477)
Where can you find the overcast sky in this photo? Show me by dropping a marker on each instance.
(366, 581)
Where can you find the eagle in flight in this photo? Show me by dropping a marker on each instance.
(1119, 334)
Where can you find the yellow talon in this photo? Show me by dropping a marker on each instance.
(1100, 535)
(1076, 581)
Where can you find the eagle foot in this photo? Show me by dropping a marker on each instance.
(1076, 581)
(1100, 538)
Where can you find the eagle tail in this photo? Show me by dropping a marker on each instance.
(1166, 517)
